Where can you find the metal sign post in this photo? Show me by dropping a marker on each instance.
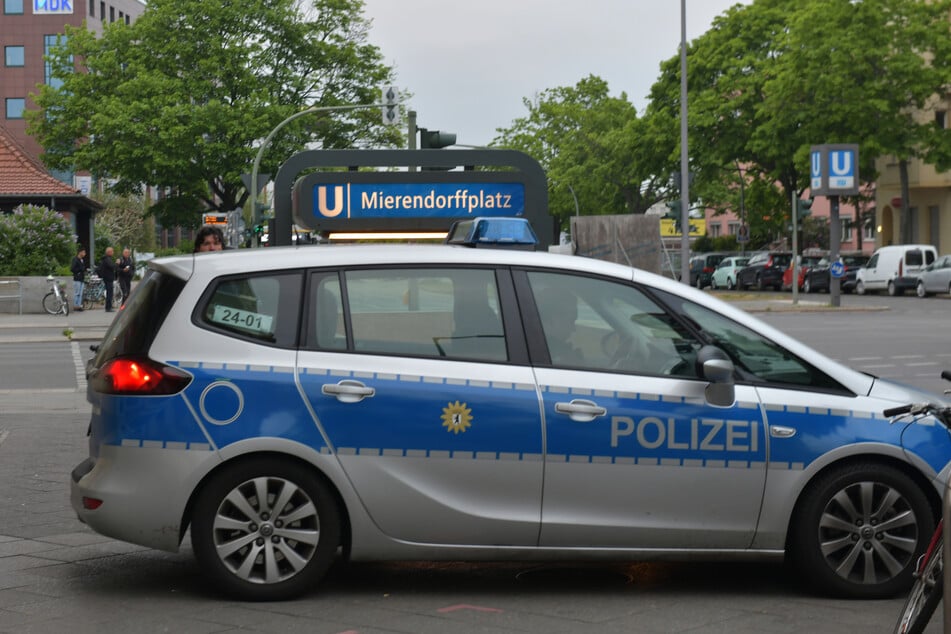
(834, 172)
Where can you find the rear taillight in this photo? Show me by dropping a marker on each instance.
(139, 376)
(708, 269)
(901, 268)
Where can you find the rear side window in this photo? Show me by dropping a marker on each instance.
(136, 324)
(264, 308)
(914, 258)
(423, 312)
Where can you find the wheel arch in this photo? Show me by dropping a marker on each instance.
(342, 508)
(920, 480)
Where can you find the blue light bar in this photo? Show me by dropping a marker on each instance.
(513, 233)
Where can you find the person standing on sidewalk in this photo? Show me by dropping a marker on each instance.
(126, 269)
(78, 268)
(107, 271)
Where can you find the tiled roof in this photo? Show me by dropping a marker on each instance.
(21, 174)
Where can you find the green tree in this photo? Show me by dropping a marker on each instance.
(774, 77)
(35, 241)
(180, 98)
(593, 148)
(125, 222)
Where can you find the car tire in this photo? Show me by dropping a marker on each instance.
(699, 283)
(920, 289)
(730, 285)
(713, 284)
(835, 520)
(859, 288)
(311, 539)
(760, 285)
(806, 287)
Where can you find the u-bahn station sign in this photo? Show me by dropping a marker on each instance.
(326, 200)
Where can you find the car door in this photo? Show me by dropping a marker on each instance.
(414, 377)
(635, 457)
(874, 276)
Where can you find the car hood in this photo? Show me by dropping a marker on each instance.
(902, 394)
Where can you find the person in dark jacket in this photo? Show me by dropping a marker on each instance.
(78, 268)
(126, 269)
(107, 271)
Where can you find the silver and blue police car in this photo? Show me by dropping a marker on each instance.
(292, 405)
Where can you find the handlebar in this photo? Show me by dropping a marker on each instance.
(892, 412)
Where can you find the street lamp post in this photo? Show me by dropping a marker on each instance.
(255, 216)
(684, 159)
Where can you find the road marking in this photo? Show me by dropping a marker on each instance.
(908, 356)
(80, 370)
(466, 606)
(3, 435)
(922, 363)
(865, 359)
(881, 365)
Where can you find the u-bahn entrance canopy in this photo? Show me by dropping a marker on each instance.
(513, 184)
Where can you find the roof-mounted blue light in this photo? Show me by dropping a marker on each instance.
(496, 233)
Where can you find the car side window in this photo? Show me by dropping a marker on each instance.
(601, 325)
(452, 313)
(325, 322)
(263, 308)
(756, 358)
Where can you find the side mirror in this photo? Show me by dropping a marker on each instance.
(715, 366)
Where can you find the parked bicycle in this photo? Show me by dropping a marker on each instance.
(928, 588)
(94, 291)
(55, 301)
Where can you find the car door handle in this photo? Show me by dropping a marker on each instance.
(581, 410)
(348, 391)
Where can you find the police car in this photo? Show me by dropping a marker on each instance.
(439, 402)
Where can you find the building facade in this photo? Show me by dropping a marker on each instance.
(28, 28)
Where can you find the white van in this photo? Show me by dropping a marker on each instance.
(894, 268)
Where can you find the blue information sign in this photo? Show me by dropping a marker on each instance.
(837, 269)
(417, 200)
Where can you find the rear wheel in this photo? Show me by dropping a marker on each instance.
(729, 284)
(760, 284)
(265, 529)
(858, 530)
(806, 287)
(893, 290)
(713, 284)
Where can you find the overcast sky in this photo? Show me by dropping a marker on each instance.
(469, 63)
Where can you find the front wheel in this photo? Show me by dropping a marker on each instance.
(265, 529)
(858, 530)
(55, 305)
(925, 593)
(729, 284)
(713, 284)
(860, 288)
(806, 287)
(920, 289)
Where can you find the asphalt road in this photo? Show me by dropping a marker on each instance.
(58, 576)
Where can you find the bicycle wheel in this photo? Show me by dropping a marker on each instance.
(925, 593)
(52, 304)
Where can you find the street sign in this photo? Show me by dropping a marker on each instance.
(834, 169)
(837, 269)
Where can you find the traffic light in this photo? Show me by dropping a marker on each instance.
(435, 139)
(674, 213)
(803, 207)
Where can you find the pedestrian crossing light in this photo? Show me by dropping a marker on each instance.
(804, 207)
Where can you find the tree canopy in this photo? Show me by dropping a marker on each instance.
(181, 98)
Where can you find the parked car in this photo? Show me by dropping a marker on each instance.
(702, 267)
(818, 278)
(936, 278)
(724, 276)
(894, 268)
(286, 407)
(764, 270)
(805, 263)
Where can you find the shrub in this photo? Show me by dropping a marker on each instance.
(35, 241)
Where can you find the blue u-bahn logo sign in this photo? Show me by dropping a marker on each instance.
(50, 7)
(834, 170)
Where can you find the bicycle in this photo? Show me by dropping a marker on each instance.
(55, 301)
(928, 588)
(94, 291)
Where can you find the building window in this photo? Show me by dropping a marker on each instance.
(734, 228)
(112, 14)
(49, 41)
(127, 21)
(940, 119)
(846, 229)
(13, 56)
(92, 9)
(15, 107)
(868, 229)
(102, 11)
(13, 7)
(713, 229)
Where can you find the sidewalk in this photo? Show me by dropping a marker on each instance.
(88, 325)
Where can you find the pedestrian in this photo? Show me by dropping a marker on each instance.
(209, 238)
(107, 271)
(126, 269)
(78, 267)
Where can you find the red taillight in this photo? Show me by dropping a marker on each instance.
(708, 269)
(91, 504)
(136, 376)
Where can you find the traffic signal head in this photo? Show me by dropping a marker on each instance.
(804, 207)
(674, 209)
(435, 139)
